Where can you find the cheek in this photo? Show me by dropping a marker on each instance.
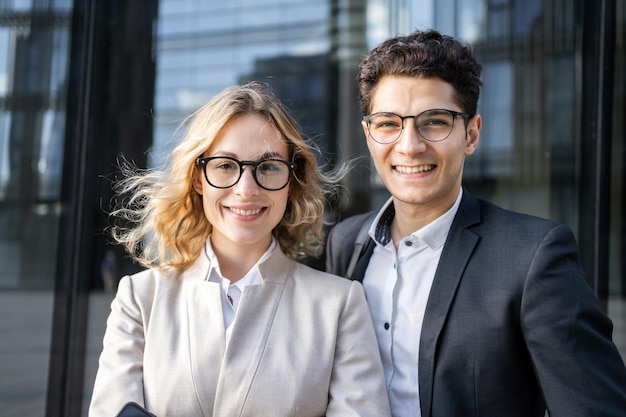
(208, 209)
(452, 149)
(283, 199)
(378, 155)
(280, 203)
(210, 202)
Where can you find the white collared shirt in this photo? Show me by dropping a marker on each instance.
(397, 285)
(234, 291)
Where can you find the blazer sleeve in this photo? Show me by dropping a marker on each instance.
(120, 372)
(568, 335)
(357, 386)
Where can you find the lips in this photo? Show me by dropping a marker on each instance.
(246, 212)
(413, 169)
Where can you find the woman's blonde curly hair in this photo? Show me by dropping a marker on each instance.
(159, 216)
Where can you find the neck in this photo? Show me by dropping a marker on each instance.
(410, 218)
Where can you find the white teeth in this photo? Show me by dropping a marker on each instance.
(414, 170)
(245, 212)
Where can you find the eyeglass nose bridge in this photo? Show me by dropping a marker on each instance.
(253, 165)
(415, 125)
(403, 118)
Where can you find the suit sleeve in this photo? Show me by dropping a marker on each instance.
(568, 335)
(332, 253)
(120, 371)
(357, 386)
(340, 242)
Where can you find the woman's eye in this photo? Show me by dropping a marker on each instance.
(269, 167)
(226, 166)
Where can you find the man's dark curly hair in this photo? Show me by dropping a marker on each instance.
(423, 54)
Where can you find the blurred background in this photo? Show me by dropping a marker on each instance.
(85, 81)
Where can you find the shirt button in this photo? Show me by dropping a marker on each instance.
(408, 243)
(386, 326)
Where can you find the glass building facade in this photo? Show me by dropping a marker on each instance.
(85, 81)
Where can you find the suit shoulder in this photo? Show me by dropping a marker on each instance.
(491, 210)
(348, 228)
(509, 221)
(356, 221)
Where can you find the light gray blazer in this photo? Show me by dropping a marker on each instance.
(302, 345)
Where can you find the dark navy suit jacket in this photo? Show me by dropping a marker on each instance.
(511, 324)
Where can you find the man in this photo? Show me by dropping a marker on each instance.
(479, 311)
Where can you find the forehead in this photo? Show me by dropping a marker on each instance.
(249, 136)
(412, 95)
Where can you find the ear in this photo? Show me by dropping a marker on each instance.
(473, 134)
(196, 180)
(365, 131)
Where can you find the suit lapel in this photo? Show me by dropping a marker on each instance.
(454, 258)
(361, 266)
(250, 334)
(206, 332)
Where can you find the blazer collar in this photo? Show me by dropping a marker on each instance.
(456, 253)
(221, 373)
(248, 340)
(207, 340)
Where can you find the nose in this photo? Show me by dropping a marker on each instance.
(410, 140)
(247, 186)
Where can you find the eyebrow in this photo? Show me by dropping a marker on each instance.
(267, 155)
(386, 112)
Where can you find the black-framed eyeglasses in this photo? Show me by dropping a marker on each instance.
(434, 125)
(225, 172)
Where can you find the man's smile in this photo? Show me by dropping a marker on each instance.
(413, 169)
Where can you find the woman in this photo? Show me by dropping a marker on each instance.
(223, 322)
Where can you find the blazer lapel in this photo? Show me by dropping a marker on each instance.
(250, 334)
(207, 339)
(454, 258)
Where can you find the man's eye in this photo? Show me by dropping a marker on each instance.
(385, 123)
(435, 122)
(388, 123)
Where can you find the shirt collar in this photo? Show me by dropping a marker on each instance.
(252, 277)
(380, 230)
(433, 234)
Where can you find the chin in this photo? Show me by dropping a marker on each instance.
(412, 198)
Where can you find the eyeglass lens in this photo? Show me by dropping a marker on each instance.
(433, 125)
(225, 172)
